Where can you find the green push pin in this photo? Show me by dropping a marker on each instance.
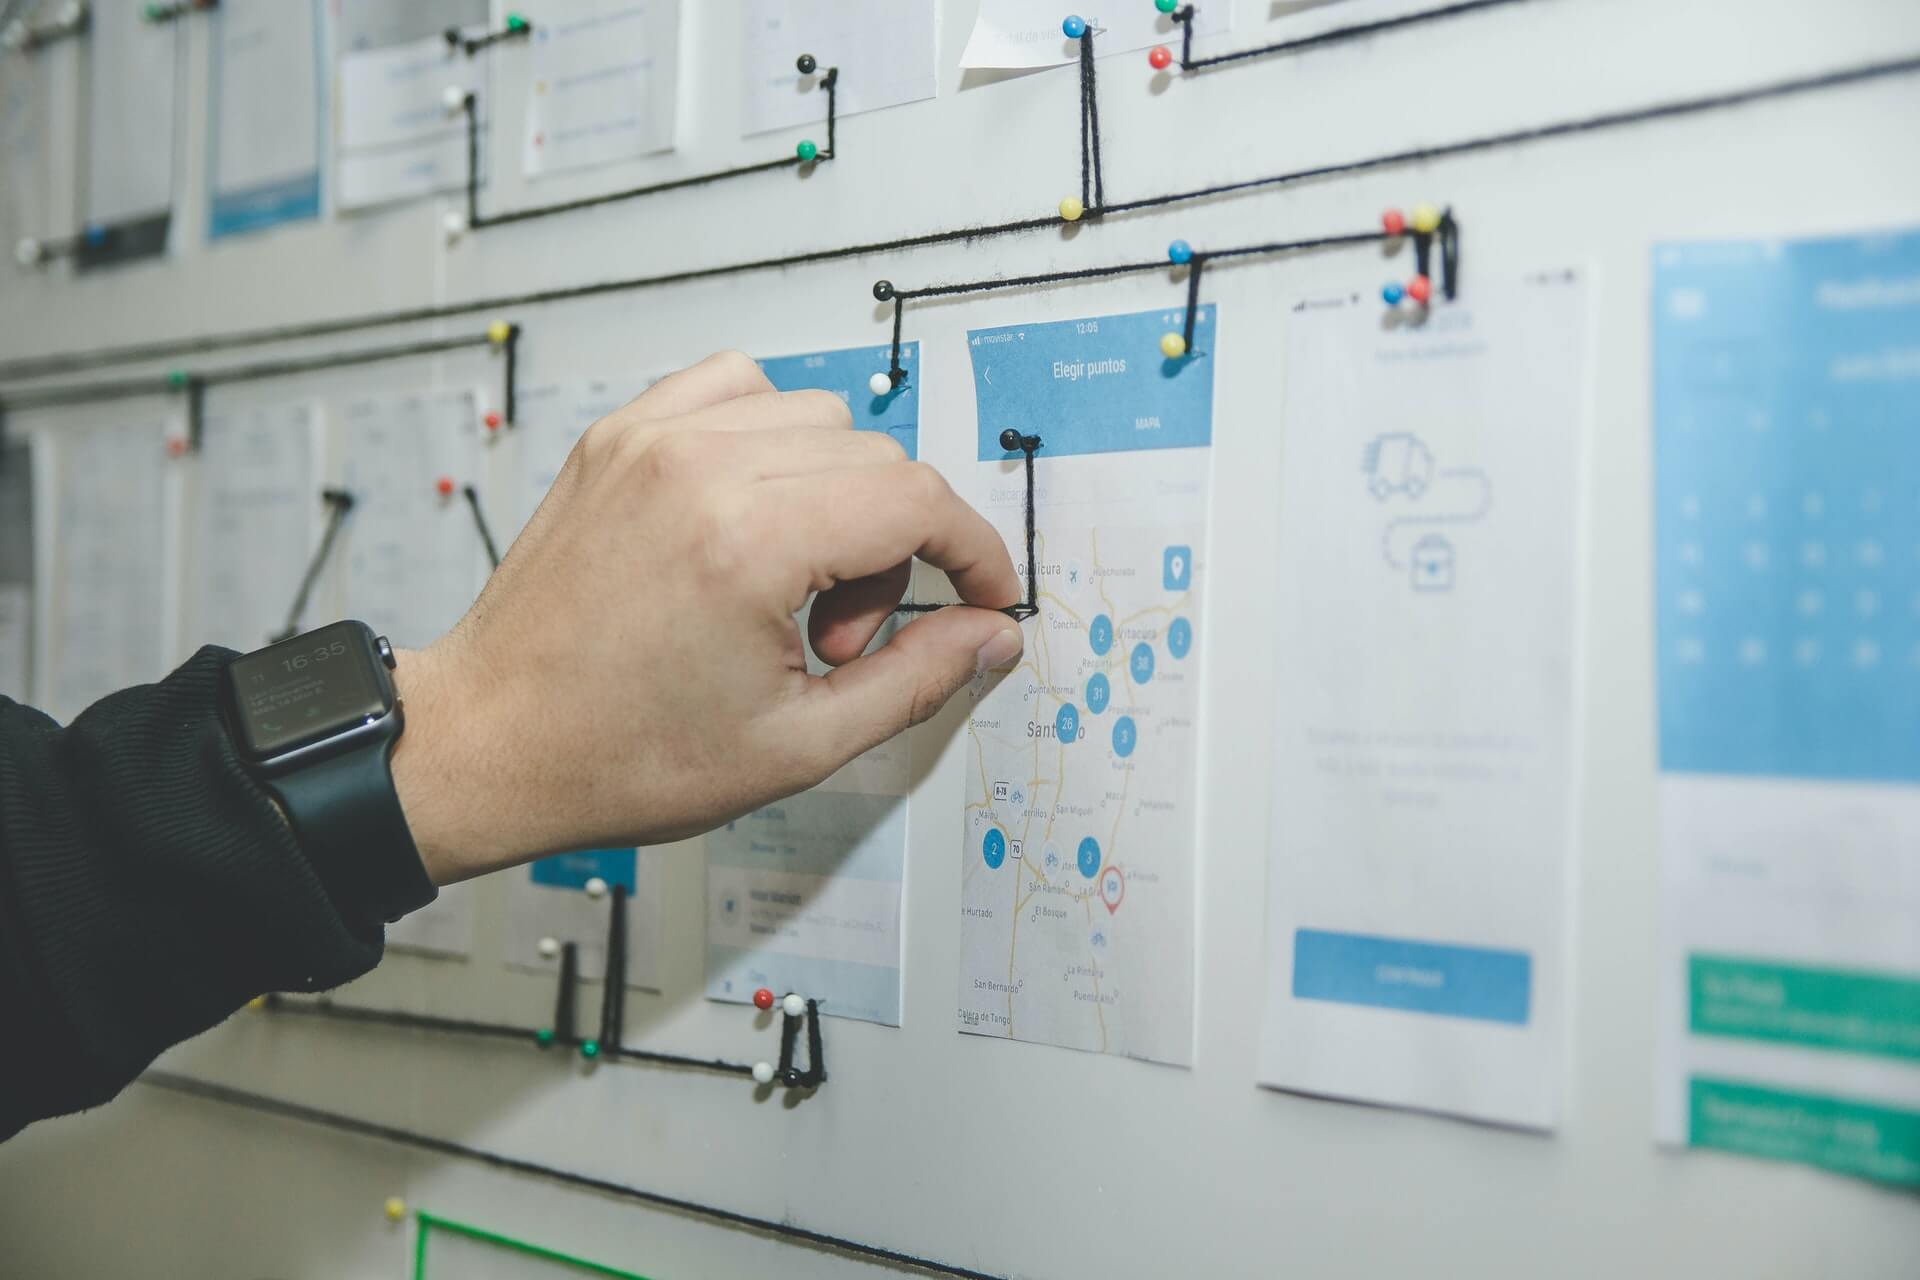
(544, 1037)
(1166, 6)
(589, 1048)
(806, 151)
(155, 12)
(177, 378)
(516, 23)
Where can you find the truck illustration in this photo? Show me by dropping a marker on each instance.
(1397, 462)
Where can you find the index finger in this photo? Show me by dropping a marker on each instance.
(854, 523)
(722, 376)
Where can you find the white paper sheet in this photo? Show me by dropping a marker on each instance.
(552, 418)
(1787, 557)
(397, 139)
(1012, 34)
(252, 523)
(885, 50)
(109, 560)
(1427, 563)
(265, 95)
(411, 558)
(548, 900)
(130, 122)
(601, 82)
(25, 149)
(1079, 817)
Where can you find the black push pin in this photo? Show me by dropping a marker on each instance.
(883, 291)
(805, 64)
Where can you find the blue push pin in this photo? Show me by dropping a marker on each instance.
(1075, 26)
(96, 235)
(1179, 253)
(1392, 294)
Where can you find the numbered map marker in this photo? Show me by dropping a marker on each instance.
(1113, 887)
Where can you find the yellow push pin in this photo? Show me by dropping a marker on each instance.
(498, 332)
(1071, 209)
(1172, 346)
(396, 1208)
(258, 1002)
(1425, 220)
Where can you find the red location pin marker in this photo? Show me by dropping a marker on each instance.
(1113, 887)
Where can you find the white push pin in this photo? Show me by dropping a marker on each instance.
(454, 224)
(454, 99)
(549, 947)
(14, 35)
(596, 888)
(880, 384)
(71, 13)
(793, 1006)
(763, 1073)
(27, 252)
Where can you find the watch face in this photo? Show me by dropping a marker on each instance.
(307, 689)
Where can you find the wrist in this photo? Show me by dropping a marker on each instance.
(450, 800)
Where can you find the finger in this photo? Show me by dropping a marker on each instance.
(843, 525)
(846, 617)
(796, 451)
(771, 411)
(906, 680)
(722, 376)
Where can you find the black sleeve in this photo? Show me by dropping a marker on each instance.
(148, 888)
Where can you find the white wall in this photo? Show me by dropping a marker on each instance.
(1003, 1156)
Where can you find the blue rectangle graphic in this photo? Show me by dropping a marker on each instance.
(1098, 385)
(1418, 977)
(573, 870)
(847, 374)
(1787, 526)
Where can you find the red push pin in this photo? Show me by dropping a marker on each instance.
(1160, 57)
(1393, 222)
(176, 446)
(1420, 289)
(763, 999)
(492, 420)
(445, 486)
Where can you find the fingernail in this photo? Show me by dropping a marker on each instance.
(998, 652)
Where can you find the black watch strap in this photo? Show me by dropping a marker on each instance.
(347, 816)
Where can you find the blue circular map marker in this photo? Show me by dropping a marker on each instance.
(1123, 736)
(994, 848)
(1089, 857)
(1066, 725)
(1098, 691)
(1100, 633)
(1142, 662)
(1179, 637)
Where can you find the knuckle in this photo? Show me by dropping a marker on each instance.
(670, 458)
(737, 366)
(925, 485)
(883, 446)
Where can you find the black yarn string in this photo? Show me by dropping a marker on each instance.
(471, 45)
(208, 1091)
(477, 220)
(1193, 298)
(511, 349)
(1334, 35)
(472, 495)
(1093, 119)
(1086, 122)
(39, 366)
(564, 1001)
(896, 374)
(1027, 445)
(339, 502)
(613, 990)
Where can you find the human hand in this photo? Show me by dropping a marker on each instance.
(632, 672)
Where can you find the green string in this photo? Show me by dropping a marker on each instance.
(428, 1222)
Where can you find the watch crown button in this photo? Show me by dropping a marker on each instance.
(385, 651)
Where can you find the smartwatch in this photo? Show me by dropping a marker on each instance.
(315, 719)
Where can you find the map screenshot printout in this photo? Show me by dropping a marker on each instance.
(1079, 841)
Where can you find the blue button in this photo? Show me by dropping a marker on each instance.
(1098, 692)
(993, 849)
(1100, 633)
(1066, 724)
(1123, 737)
(1088, 857)
(1179, 637)
(1419, 977)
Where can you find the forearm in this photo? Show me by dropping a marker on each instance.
(148, 887)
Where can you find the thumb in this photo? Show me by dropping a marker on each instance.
(906, 680)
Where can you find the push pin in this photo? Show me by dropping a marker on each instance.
(395, 1209)
(1425, 220)
(176, 446)
(517, 24)
(454, 225)
(544, 1037)
(763, 999)
(1391, 293)
(596, 888)
(454, 99)
(1071, 209)
(26, 252)
(763, 1073)
(549, 948)
(794, 1005)
(492, 419)
(257, 1003)
(1420, 290)
(589, 1049)
(1073, 26)
(499, 332)
(444, 486)
(805, 64)
(95, 235)
(14, 36)
(1172, 346)
(1393, 222)
(177, 378)
(883, 291)
(1179, 253)
(881, 383)
(807, 152)
(1166, 6)
(1159, 57)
